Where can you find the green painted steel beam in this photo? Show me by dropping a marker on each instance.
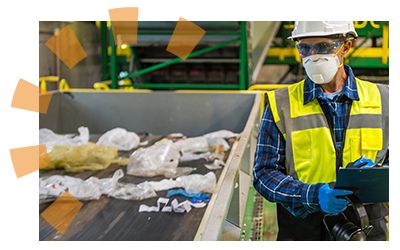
(105, 74)
(243, 56)
(246, 230)
(113, 61)
(178, 59)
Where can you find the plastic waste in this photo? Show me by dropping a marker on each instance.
(194, 144)
(226, 134)
(48, 137)
(200, 196)
(215, 141)
(182, 207)
(51, 187)
(189, 156)
(194, 183)
(196, 200)
(159, 159)
(186, 194)
(130, 191)
(217, 164)
(119, 138)
(89, 156)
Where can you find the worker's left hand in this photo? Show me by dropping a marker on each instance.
(328, 201)
(361, 163)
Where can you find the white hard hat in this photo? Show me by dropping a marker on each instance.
(334, 29)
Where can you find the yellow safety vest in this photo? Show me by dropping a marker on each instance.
(311, 154)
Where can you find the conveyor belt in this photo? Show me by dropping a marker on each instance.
(113, 219)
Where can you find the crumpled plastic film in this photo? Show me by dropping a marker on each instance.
(196, 183)
(130, 191)
(194, 144)
(48, 137)
(159, 159)
(226, 134)
(119, 138)
(51, 187)
(89, 156)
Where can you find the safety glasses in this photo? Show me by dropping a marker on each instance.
(319, 48)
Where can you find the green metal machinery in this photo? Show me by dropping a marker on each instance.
(223, 58)
(228, 57)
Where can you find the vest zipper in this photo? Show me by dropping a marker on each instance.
(338, 151)
(344, 138)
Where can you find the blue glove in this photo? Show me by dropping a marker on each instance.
(329, 203)
(364, 163)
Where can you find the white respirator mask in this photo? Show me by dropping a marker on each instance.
(321, 68)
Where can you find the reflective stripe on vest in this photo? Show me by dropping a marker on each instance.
(311, 155)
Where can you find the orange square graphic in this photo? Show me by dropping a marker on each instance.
(62, 211)
(124, 14)
(125, 32)
(67, 47)
(27, 160)
(185, 38)
(44, 101)
(125, 24)
(44, 160)
(30, 97)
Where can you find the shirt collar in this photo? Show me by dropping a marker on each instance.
(312, 90)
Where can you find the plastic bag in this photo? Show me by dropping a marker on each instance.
(226, 134)
(160, 159)
(119, 138)
(125, 191)
(51, 187)
(89, 156)
(130, 191)
(197, 183)
(48, 137)
(194, 183)
(194, 144)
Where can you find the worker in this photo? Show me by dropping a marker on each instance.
(312, 128)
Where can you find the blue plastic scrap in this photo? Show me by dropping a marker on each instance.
(200, 196)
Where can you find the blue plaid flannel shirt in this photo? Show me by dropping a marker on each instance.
(269, 179)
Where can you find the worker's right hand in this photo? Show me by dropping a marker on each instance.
(329, 203)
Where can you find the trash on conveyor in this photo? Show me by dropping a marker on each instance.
(51, 187)
(226, 134)
(193, 144)
(120, 138)
(217, 164)
(89, 156)
(48, 137)
(194, 183)
(180, 191)
(182, 207)
(161, 158)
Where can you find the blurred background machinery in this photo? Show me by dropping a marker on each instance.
(232, 55)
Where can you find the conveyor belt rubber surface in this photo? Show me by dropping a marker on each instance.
(111, 219)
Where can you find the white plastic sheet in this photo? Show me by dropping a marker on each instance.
(159, 159)
(194, 144)
(51, 187)
(182, 207)
(194, 183)
(120, 138)
(226, 134)
(48, 137)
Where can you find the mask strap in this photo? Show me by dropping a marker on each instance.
(341, 46)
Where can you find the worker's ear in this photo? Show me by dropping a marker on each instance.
(346, 47)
